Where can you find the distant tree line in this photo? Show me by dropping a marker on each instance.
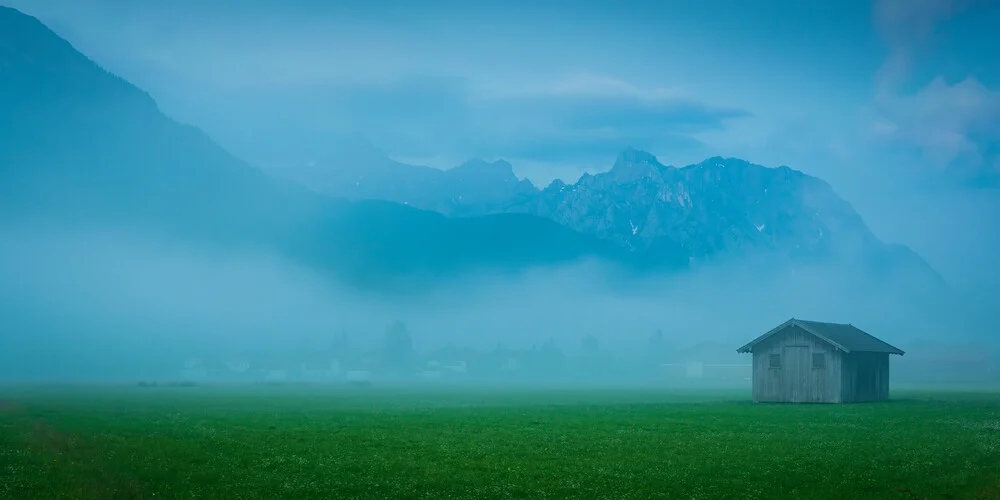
(395, 358)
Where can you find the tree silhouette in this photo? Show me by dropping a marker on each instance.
(656, 350)
(590, 345)
(657, 343)
(339, 342)
(341, 346)
(549, 360)
(397, 348)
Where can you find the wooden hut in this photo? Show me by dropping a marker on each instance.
(811, 362)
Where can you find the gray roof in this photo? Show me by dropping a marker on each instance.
(847, 338)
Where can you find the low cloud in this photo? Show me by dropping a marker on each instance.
(945, 130)
(113, 304)
(953, 128)
(905, 25)
(574, 120)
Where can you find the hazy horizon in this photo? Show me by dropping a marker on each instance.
(316, 249)
(895, 104)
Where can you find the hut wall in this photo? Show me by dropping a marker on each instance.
(865, 377)
(809, 369)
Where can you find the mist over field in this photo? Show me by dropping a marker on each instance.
(108, 305)
(267, 207)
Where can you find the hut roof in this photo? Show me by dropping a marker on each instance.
(845, 337)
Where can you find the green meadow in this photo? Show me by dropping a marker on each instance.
(352, 442)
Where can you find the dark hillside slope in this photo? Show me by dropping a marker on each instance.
(82, 147)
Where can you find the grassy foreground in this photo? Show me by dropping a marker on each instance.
(273, 442)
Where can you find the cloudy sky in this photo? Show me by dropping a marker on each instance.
(895, 102)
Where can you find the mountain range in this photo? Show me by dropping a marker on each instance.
(82, 147)
(720, 208)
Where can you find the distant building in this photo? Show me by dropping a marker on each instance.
(811, 362)
(511, 365)
(359, 377)
(276, 375)
(449, 361)
(320, 368)
(237, 366)
(715, 372)
(194, 370)
(707, 362)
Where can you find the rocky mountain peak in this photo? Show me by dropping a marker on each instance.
(481, 181)
(556, 185)
(633, 164)
(498, 171)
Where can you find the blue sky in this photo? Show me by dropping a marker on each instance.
(895, 102)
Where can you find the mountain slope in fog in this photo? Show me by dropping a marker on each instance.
(356, 170)
(83, 148)
(719, 208)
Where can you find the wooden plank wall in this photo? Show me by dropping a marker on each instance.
(865, 377)
(810, 385)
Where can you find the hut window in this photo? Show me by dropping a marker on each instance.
(819, 361)
(774, 361)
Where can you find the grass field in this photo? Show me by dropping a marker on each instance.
(296, 442)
